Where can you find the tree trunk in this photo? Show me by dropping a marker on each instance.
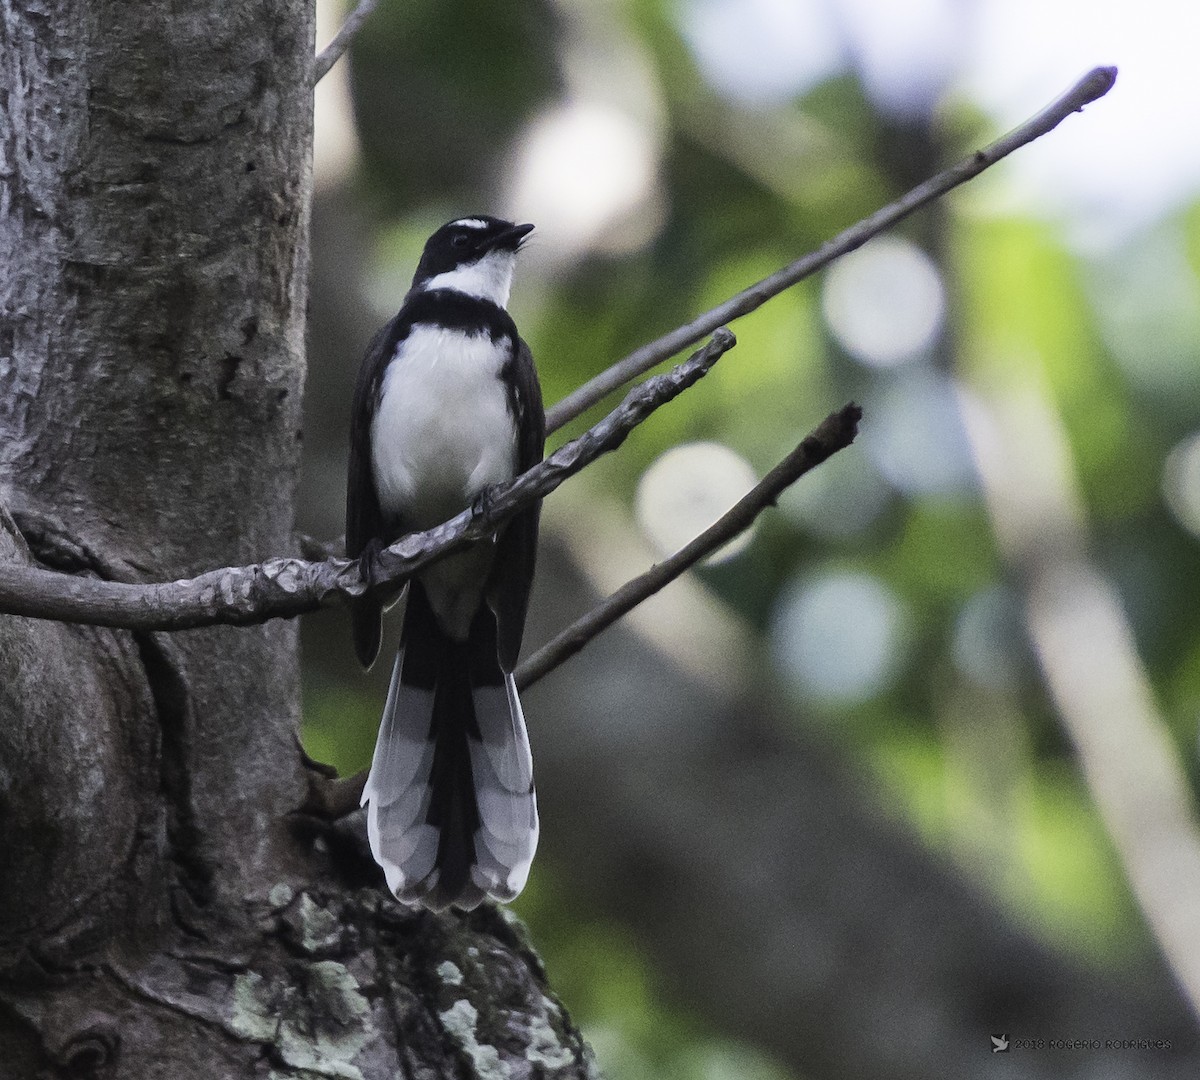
(163, 902)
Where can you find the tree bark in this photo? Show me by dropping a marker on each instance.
(163, 902)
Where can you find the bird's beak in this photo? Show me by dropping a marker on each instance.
(510, 239)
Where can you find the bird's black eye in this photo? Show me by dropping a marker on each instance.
(459, 240)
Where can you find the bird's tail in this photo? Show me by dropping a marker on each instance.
(451, 810)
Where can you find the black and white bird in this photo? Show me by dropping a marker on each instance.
(448, 404)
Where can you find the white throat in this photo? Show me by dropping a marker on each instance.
(490, 278)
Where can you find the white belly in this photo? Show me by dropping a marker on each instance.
(441, 434)
(442, 431)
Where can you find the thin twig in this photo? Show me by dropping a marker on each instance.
(1094, 85)
(283, 588)
(836, 432)
(332, 52)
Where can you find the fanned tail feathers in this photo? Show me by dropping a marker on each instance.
(451, 809)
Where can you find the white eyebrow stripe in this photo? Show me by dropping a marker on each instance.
(470, 223)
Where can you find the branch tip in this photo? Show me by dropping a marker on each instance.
(1096, 83)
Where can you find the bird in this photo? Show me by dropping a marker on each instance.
(447, 404)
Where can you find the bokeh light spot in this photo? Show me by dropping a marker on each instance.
(587, 173)
(885, 302)
(688, 488)
(838, 637)
(760, 52)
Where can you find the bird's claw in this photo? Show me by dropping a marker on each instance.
(482, 503)
(368, 562)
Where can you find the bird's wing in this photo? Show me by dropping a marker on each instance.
(516, 548)
(364, 519)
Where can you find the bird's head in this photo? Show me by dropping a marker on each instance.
(472, 255)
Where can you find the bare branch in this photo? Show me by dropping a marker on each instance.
(288, 587)
(836, 432)
(1095, 84)
(332, 52)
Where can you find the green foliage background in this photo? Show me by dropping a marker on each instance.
(442, 90)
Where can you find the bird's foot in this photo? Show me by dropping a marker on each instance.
(368, 562)
(482, 503)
